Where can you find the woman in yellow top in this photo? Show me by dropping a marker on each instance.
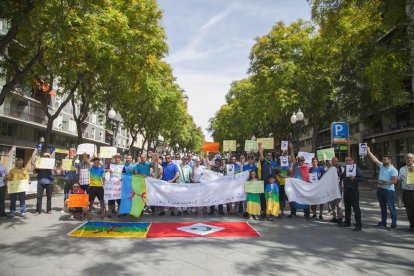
(15, 174)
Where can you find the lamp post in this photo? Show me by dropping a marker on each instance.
(114, 125)
(296, 119)
(374, 174)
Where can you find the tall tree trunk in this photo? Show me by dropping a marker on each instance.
(409, 8)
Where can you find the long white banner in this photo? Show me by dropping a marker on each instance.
(322, 191)
(218, 191)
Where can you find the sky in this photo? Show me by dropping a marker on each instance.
(210, 41)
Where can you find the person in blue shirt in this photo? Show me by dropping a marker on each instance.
(388, 176)
(170, 173)
(319, 171)
(143, 168)
(250, 166)
(128, 166)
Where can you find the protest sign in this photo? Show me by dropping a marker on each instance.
(112, 189)
(107, 152)
(313, 177)
(86, 148)
(67, 165)
(17, 186)
(78, 200)
(307, 155)
(267, 143)
(326, 154)
(229, 145)
(45, 163)
(350, 170)
(363, 150)
(250, 146)
(222, 190)
(284, 161)
(284, 145)
(230, 169)
(211, 147)
(320, 192)
(254, 187)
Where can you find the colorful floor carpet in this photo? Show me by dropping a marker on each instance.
(97, 229)
(201, 229)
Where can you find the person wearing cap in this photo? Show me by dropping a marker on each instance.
(300, 170)
(115, 170)
(45, 180)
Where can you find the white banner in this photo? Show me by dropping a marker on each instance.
(209, 176)
(322, 191)
(219, 191)
(112, 189)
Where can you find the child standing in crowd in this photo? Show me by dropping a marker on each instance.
(272, 199)
(253, 200)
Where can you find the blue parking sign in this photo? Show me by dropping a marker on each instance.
(340, 133)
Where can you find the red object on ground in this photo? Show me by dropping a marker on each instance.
(201, 229)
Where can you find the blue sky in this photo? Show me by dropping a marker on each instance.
(210, 41)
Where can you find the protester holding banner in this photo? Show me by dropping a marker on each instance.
(388, 176)
(268, 168)
(406, 178)
(70, 175)
(197, 172)
(335, 204)
(76, 212)
(170, 174)
(233, 168)
(253, 208)
(96, 186)
(128, 166)
(115, 170)
(300, 170)
(351, 194)
(220, 168)
(185, 177)
(15, 174)
(3, 174)
(143, 168)
(84, 168)
(317, 171)
(45, 181)
(272, 198)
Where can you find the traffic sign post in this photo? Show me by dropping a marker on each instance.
(340, 134)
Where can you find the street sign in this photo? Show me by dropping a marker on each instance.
(339, 133)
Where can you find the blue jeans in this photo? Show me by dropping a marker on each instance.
(387, 197)
(22, 199)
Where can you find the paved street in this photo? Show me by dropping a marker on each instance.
(39, 246)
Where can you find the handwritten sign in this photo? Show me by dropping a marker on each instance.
(267, 143)
(250, 146)
(211, 147)
(284, 161)
(410, 177)
(17, 186)
(326, 154)
(67, 165)
(78, 200)
(363, 149)
(86, 148)
(230, 169)
(107, 152)
(112, 189)
(307, 155)
(229, 145)
(45, 163)
(254, 187)
(350, 170)
(284, 145)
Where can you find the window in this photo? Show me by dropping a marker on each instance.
(93, 119)
(72, 125)
(100, 136)
(6, 129)
(93, 133)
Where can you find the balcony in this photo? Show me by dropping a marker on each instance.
(25, 110)
(393, 127)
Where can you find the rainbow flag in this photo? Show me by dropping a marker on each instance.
(134, 196)
(97, 229)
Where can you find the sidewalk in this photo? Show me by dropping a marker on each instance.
(39, 246)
